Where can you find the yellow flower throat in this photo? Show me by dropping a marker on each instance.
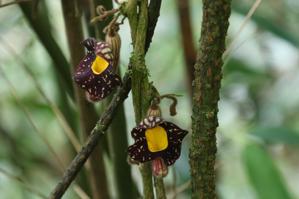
(99, 65)
(156, 139)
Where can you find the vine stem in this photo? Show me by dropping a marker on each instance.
(206, 86)
(159, 187)
(142, 28)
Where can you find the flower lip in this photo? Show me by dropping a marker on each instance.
(156, 139)
(99, 65)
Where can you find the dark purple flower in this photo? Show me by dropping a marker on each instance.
(156, 139)
(95, 71)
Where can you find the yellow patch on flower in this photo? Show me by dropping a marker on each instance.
(99, 65)
(156, 139)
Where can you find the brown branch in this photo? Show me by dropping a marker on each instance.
(96, 134)
(208, 74)
(187, 39)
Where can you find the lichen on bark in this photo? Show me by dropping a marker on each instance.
(206, 87)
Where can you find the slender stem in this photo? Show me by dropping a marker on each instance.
(141, 88)
(208, 74)
(142, 29)
(159, 187)
(88, 116)
(187, 39)
(131, 12)
(92, 141)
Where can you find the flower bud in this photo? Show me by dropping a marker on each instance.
(159, 168)
(114, 41)
(154, 111)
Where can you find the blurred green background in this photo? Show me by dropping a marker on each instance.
(258, 134)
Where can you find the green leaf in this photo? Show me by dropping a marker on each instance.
(263, 174)
(277, 135)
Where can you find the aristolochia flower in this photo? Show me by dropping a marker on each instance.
(95, 71)
(158, 141)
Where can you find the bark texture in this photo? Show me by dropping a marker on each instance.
(206, 86)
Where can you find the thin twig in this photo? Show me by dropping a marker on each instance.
(60, 117)
(244, 23)
(23, 183)
(239, 45)
(13, 2)
(187, 39)
(92, 141)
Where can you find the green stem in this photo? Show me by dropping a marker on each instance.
(141, 88)
(208, 74)
(131, 12)
(88, 116)
(160, 190)
(142, 30)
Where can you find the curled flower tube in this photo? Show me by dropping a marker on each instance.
(158, 141)
(95, 71)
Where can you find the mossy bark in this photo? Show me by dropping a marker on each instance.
(141, 88)
(206, 86)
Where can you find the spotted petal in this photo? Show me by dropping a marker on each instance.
(140, 152)
(97, 85)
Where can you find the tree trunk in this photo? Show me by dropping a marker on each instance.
(206, 88)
